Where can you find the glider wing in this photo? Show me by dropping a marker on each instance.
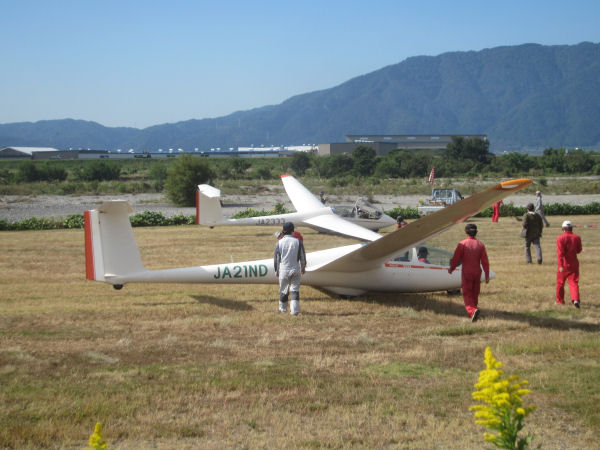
(302, 199)
(333, 223)
(376, 253)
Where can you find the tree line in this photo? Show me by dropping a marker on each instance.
(462, 157)
(178, 178)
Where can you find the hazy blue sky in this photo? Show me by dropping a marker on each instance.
(143, 63)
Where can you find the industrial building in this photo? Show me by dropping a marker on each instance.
(38, 153)
(29, 153)
(383, 143)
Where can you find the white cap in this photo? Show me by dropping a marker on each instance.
(538, 192)
(567, 223)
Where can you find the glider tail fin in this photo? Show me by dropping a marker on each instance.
(110, 247)
(208, 205)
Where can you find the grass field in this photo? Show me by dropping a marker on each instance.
(215, 366)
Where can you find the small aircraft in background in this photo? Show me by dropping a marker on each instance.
(359, 222)
(390, 263)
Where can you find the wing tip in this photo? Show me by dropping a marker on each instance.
(515, 184)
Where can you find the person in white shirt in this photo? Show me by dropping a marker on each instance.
(289, 261)
(539, 208)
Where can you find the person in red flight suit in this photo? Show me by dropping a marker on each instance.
(422, 255)
(400, 222)
(496, 211)
(296, 234)
(471, 253)
(568, 245)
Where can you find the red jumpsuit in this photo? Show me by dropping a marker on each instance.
(473, 256)
(568, 245)
(496, 211)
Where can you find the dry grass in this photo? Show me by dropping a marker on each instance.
(215, 366)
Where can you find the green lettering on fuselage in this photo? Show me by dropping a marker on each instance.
(242, 271)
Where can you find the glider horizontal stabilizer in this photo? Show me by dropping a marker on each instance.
(208, 206)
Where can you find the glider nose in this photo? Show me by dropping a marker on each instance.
(387, 220)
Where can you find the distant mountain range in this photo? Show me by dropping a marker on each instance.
(525, 98)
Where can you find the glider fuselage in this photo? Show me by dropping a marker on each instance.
(392, 276)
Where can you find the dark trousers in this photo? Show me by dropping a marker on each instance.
(538, 249)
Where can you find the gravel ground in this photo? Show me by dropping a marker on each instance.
(16, 208)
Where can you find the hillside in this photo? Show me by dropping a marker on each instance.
(524, 97)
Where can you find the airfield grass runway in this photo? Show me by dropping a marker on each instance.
(215, 366)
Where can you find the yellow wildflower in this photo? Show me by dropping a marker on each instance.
(502, 410)
(96, 441)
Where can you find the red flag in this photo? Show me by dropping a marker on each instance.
(432, 175)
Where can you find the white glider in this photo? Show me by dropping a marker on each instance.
(309, 212)
(387, 264)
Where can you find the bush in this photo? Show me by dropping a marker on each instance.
(566, 209)
(53, 172)
(180, 219)
(334, 165)
(73, 221)
(300, 163)
(341, 181)
(35, 223)
(5, 176)
(183, 179)
(278, 209)
(149, 219)
(407, 213)
(158, 175)
(252, 213)
(99, 171)
(364, 161)
(506, 210)
(156, 219)
(554, 209)
(263, 173)
(28, 172)
(68, 187)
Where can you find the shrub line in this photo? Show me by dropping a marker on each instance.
(157, 219)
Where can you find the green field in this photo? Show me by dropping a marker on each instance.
(215, 366)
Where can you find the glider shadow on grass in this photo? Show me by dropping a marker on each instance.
(234, 305)
(424, 302)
